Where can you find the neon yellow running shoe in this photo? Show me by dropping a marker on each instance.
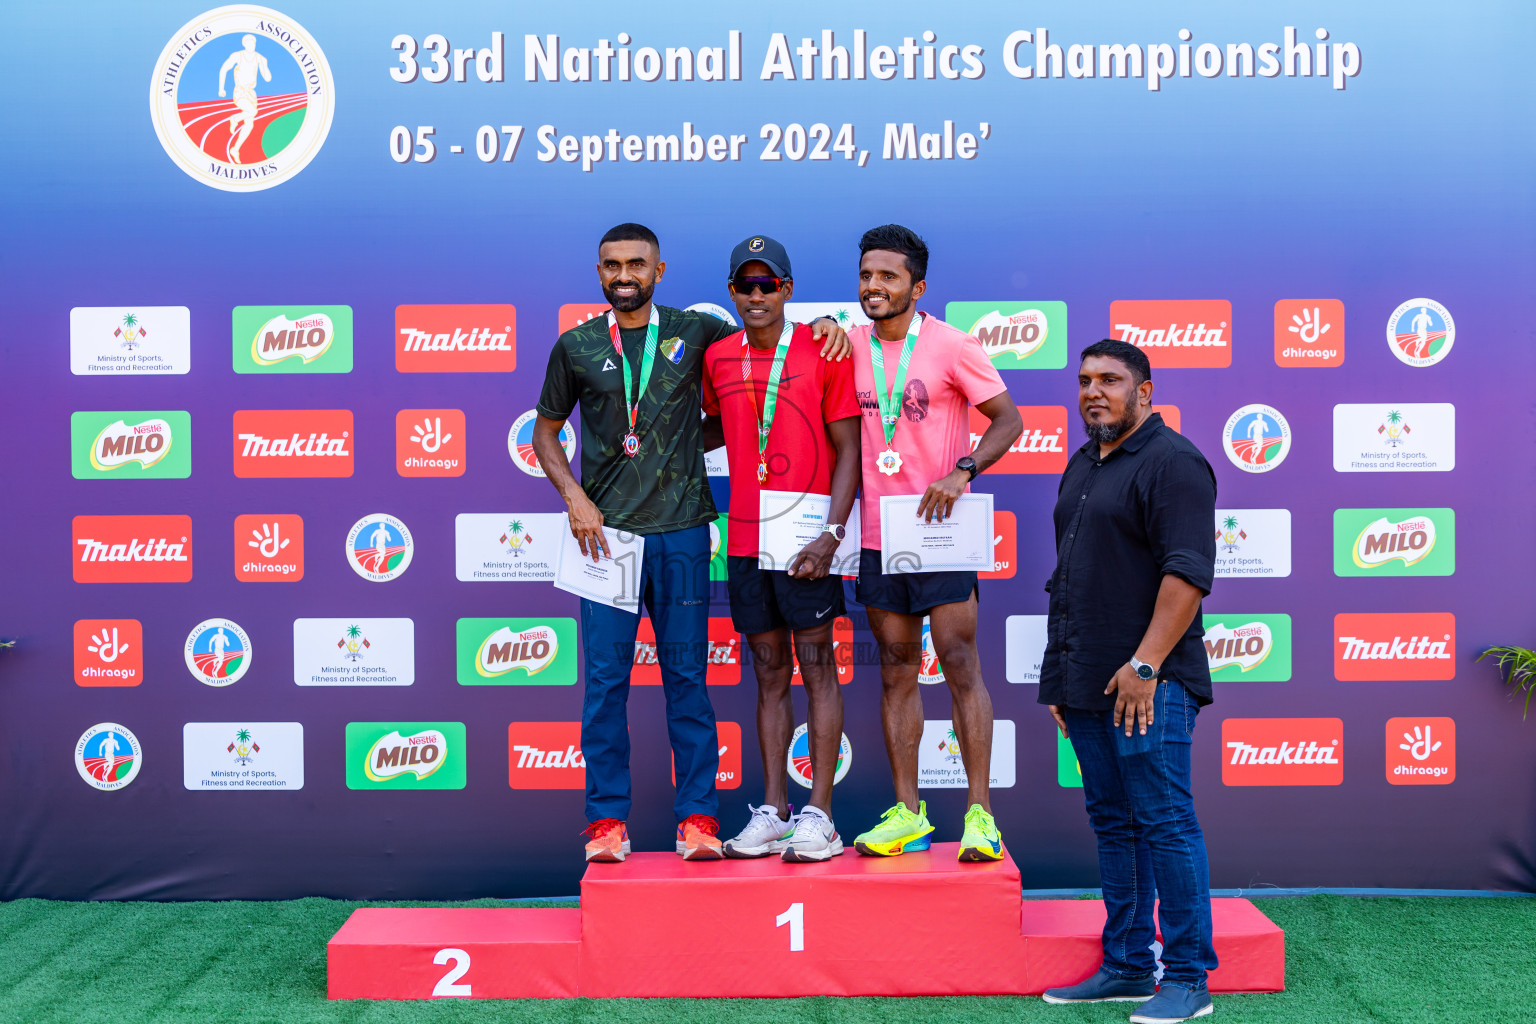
(981, 840)
(899, 831)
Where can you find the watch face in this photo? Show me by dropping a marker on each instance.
(1145, 672)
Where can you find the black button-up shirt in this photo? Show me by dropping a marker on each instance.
(1122, 523)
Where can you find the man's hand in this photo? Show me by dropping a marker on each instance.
(941, 495)
(587, 526)
(836, 345)
(1133, 697)
(1061, 720)
(814, 559)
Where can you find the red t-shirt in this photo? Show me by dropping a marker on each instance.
(812, 393)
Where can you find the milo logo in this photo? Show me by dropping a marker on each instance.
(1383, 541)
(280, 338)
(531, 650)
(1250, 648)
(419, 754)
(1245, 646)
(1016, 335)
(292, 339)
(1021, 333)
(124, 445)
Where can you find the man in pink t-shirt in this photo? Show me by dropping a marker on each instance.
(917, 440)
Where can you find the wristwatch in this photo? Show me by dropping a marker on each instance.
(837, 530)
(969, 465)
(1143, 670)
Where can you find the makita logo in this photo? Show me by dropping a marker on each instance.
(1282, 751)
(722, 661)
(293, 443)
(1402, 646)
(482, 340)
(455, 339)
(1398, 649)
(1301, 752)
(1384, 541)
(545, 755)
(533, 757)
(1039, 449)
(1193, 332)
(132, 549)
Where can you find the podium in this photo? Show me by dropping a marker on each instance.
(656, 925)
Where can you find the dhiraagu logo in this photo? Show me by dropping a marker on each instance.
(130, 445)
(405, 755)
(292, 339)
(1248, 648)
(1394, 542)
(1015, 335)
(517, 652)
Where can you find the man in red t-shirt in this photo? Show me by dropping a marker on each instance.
(790, 423)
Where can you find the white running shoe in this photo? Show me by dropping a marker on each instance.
(763, 835)
(812, 838)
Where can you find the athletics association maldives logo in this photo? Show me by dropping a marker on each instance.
(379, 547)
(1256, 438)
(800, 757)
(218, 652)
(520, 443)
(108, 756)
(242, 98)
(1421, 332)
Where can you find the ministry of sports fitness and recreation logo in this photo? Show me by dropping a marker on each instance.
(379, 547)
(1256, 438)
(218, 652)
(242, 98)
(520, 443)
(108, 756)
(800, 757)
(1421, 332)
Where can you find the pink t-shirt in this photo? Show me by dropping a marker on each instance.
(948, 374)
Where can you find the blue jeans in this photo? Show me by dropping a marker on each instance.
(674, 584)
(1150, 843)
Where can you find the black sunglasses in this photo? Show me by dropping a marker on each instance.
(767, 285)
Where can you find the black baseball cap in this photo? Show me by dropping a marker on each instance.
(765, 249)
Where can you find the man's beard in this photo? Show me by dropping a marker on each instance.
(627, 303)
(893, 310)
(1107, 433)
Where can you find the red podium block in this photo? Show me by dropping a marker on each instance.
(486, 953)
(1061, 945)
(919, 924)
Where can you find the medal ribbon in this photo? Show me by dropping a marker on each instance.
(890, 401)
(647, 363)
(771, 397)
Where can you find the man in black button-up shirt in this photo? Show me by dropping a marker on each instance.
(1125, 674)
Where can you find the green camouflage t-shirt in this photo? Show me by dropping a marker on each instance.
(663, 487)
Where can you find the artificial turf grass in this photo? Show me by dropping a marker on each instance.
(1347, 959)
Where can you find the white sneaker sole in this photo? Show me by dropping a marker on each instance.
(606, 858)
(794, 854)
(1204, 1011)
(1058, 1001)
(749, 852)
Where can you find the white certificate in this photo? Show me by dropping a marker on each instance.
(963, 542)
(789, 520)
(613, 579)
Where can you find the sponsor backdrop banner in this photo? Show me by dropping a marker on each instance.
(280, 287)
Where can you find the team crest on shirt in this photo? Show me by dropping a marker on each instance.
(672, 349)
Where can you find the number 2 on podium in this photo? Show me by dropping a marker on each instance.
(447, 984)
(795, 918)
